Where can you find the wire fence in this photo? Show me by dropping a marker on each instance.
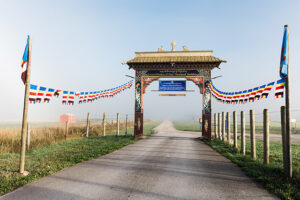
(276, 152)
(45, 133)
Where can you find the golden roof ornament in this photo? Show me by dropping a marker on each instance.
(173, 43)
(161, 48)
(185, 48)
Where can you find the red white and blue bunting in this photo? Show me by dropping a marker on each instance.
(249, 95)
(40, 94)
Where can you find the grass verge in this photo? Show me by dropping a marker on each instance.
(270, 176)
(49, 159)
(187, 126)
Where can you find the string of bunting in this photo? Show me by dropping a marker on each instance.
(250, 95)
(40, 94)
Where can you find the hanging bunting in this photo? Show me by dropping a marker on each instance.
(245, 96)
(68, 98)
(259, 92)
(81, 97)
(49, 95)
(32, 93)
(279, 88)
(40, 94)
(57, 93)
(71, 98)
(267, 90)
(85, 97)
(65, 97)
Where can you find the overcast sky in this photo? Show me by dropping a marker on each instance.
(80, 45)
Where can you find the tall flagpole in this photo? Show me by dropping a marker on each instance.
(288, 171)
(25, 112)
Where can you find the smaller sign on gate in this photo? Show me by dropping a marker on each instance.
(172, 85)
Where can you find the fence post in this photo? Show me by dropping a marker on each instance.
(28, 136)
(219, 125)
(126, 124)
(67, 129)
(215, 124)
(228, 127)
(104, 124)
(88, 125)
(118, 124)
(243, 144)
(223, 126)
(235, 130)
(252, 135)
(266, 137)
(287, 165)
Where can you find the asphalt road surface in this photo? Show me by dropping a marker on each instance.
(168, 165)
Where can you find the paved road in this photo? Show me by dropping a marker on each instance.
(169, 165)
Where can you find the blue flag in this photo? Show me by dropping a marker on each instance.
(284, 54)
(24, 60)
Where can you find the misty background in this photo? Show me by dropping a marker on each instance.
(79, 45)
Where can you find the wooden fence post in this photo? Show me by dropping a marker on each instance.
(223, 126)
(126, 124)
(118, 124)
(252, 135)
(104, 124)
(67, 129)
(28, 136)
(266, 137)
(88, 125)
(228, 127)
(286, 158)
(215, 124)
(235, 130)
(219, 125)
(243, 142)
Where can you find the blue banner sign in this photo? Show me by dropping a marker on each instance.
(172, 85)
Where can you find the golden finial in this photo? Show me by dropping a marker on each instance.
(173, 43)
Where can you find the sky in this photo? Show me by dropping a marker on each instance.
(80, 45)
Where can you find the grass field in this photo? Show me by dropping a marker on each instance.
(49, 133)
(275, 127)
(187, 126)
(42, 161)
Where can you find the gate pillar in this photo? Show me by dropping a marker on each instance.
(138, 117)
(206, 113)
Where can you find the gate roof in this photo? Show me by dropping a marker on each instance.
(169, 59)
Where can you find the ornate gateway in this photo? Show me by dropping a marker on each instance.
(195, 66)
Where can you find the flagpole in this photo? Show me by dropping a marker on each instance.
(25, 112)
(288, 170)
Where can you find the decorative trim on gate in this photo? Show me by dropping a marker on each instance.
(198, 80)
(147, 80)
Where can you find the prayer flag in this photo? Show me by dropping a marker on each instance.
(267, 90)
(49, 94)
(24, 61)
(279, 88)
(57, 93)
(40, 94)
(65, 97)
(71, 98)
(32, 93)
(284, 55)
(259, 92)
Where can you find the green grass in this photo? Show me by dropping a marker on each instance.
(270, 176)
(46, 160)
(275, 127)
(187, 126)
